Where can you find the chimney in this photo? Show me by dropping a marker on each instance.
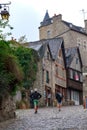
(57, 18)
(85, 21)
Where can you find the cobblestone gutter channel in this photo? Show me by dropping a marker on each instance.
(69, 118)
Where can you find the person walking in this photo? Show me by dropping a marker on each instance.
(35, 96)
(49, 98)
(31, 99)
(59, 98)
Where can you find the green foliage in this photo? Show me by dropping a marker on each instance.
(4, 25)
(18, 67)
(10, 70)
(28, 59)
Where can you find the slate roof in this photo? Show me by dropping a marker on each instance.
(70, 53)
(46, 20)
(39, 46)
(74, 27)
(54, 44)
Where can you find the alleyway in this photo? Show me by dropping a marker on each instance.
(70, 118)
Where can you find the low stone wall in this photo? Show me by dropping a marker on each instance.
(7, 109)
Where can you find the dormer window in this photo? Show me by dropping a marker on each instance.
(81, 30)
(70, 25)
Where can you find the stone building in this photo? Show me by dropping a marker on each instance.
(73, 36)
(51, 74)
(74, 75)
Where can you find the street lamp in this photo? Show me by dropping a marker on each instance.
(5, 11)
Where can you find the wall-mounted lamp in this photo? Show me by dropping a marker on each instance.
(5, 11)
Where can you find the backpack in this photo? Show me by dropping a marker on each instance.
(59, 96)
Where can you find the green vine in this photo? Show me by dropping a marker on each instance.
(28, 59)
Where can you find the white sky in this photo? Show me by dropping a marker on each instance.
(26, 15)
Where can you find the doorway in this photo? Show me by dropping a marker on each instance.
(75, 97)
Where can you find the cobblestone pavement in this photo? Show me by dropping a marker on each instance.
(69, 118)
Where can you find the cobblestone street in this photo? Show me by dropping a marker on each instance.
(69, 118)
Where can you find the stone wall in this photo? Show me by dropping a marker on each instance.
(7, 108)
(71, 38)
(41, 84)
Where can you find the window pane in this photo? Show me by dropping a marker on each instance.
(76, 76)
(47, 77)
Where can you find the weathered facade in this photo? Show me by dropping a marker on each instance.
(7, 108)
(51, 74)
(74, 75)
(72, 35)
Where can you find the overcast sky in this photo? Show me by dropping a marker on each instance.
(26, 15)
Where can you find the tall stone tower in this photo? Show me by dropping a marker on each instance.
(73, 35)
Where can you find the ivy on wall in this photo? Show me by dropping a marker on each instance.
(18, 67)
(28, 59)
(10, 69)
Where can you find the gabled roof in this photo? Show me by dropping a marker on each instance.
(70, 54)
(46, 20)
(54, 44)
(40, 48)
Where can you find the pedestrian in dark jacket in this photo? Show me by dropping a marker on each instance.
(31, 99)
(59, 98)
(35, 96)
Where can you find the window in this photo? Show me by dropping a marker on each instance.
(47, 77)
(48, 34)
(76, 76)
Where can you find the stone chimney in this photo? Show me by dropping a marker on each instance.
(85, 21)
(57, 18)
